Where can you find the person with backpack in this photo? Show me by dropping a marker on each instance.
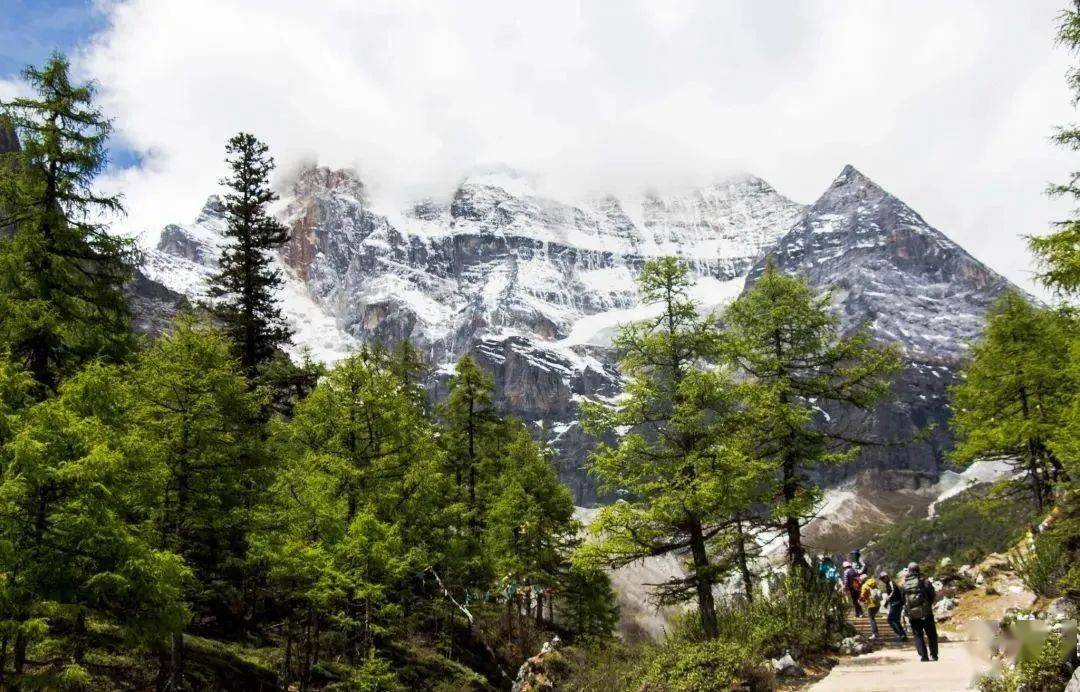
(919, 608)
(856, 561)
(894, 605)
(871, 600)
(827, 570)
(850, 579)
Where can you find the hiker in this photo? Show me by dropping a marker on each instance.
(871, 600)
(919, 608)
(826, 569)
(856, 561)
(894, 603)
(850, 580)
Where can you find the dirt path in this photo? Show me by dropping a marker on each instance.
(898, 669)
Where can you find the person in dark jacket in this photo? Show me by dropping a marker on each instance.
(850, 579)
(894, 606)
(919, 608)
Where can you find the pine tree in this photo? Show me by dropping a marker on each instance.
(531, 527)
(1059, 252)
(1010, 400)
(247, 278)
(358, 510)
(785, 340)
(681, 465)
(79, 557)
(61, 272)
(472, 433)
(190, 419)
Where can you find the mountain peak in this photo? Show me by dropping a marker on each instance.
(315, 179)
(213, 209)
(853, 177)
(513, 182)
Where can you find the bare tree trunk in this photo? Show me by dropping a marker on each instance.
(286, 672)
(740, 556)
(703, 581)
(790, 487)
(19, 660)
(80, 637)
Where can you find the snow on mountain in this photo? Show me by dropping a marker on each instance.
(908, 284)
(187, 257)
(889, 269)
(535, 287)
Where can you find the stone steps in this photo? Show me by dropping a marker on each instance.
(885, 633)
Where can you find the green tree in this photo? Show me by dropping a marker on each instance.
(1009, 402)
(82, 573)
(247, 279)
(786, 342)
(531, 527)
(357, 510)
(190, 418)
(61, 272)
(472, 435)
(1059, 252)
(681, 462)
(588, 602)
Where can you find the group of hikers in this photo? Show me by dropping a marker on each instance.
(912, 597)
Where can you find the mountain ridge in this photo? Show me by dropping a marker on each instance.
(534, 287)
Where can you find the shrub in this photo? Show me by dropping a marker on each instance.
(801, 614)
(1047, 672)
(596, 666)
(710, 666)
(1042, 567)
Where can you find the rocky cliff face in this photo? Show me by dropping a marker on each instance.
(907, 283)
(535, 287)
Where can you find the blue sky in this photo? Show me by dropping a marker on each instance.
(31, 29)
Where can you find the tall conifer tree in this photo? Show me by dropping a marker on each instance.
(681, 460)
(1010, 401)
(785, 339)
(61, 272)
(472, 428)
(247, 280)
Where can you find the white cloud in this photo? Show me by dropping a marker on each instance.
(948, 105)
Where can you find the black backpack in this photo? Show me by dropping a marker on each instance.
(916, 603)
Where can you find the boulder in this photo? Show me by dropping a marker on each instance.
(943, 608)
(540, 672)
(1058, 610)
(855, 646)
(945, 562)
(786, 667)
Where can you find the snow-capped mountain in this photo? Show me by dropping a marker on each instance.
(889, 269)
(536, 287)
(908, 284)
(496, 258)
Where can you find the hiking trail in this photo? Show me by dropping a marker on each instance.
(897, 668)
